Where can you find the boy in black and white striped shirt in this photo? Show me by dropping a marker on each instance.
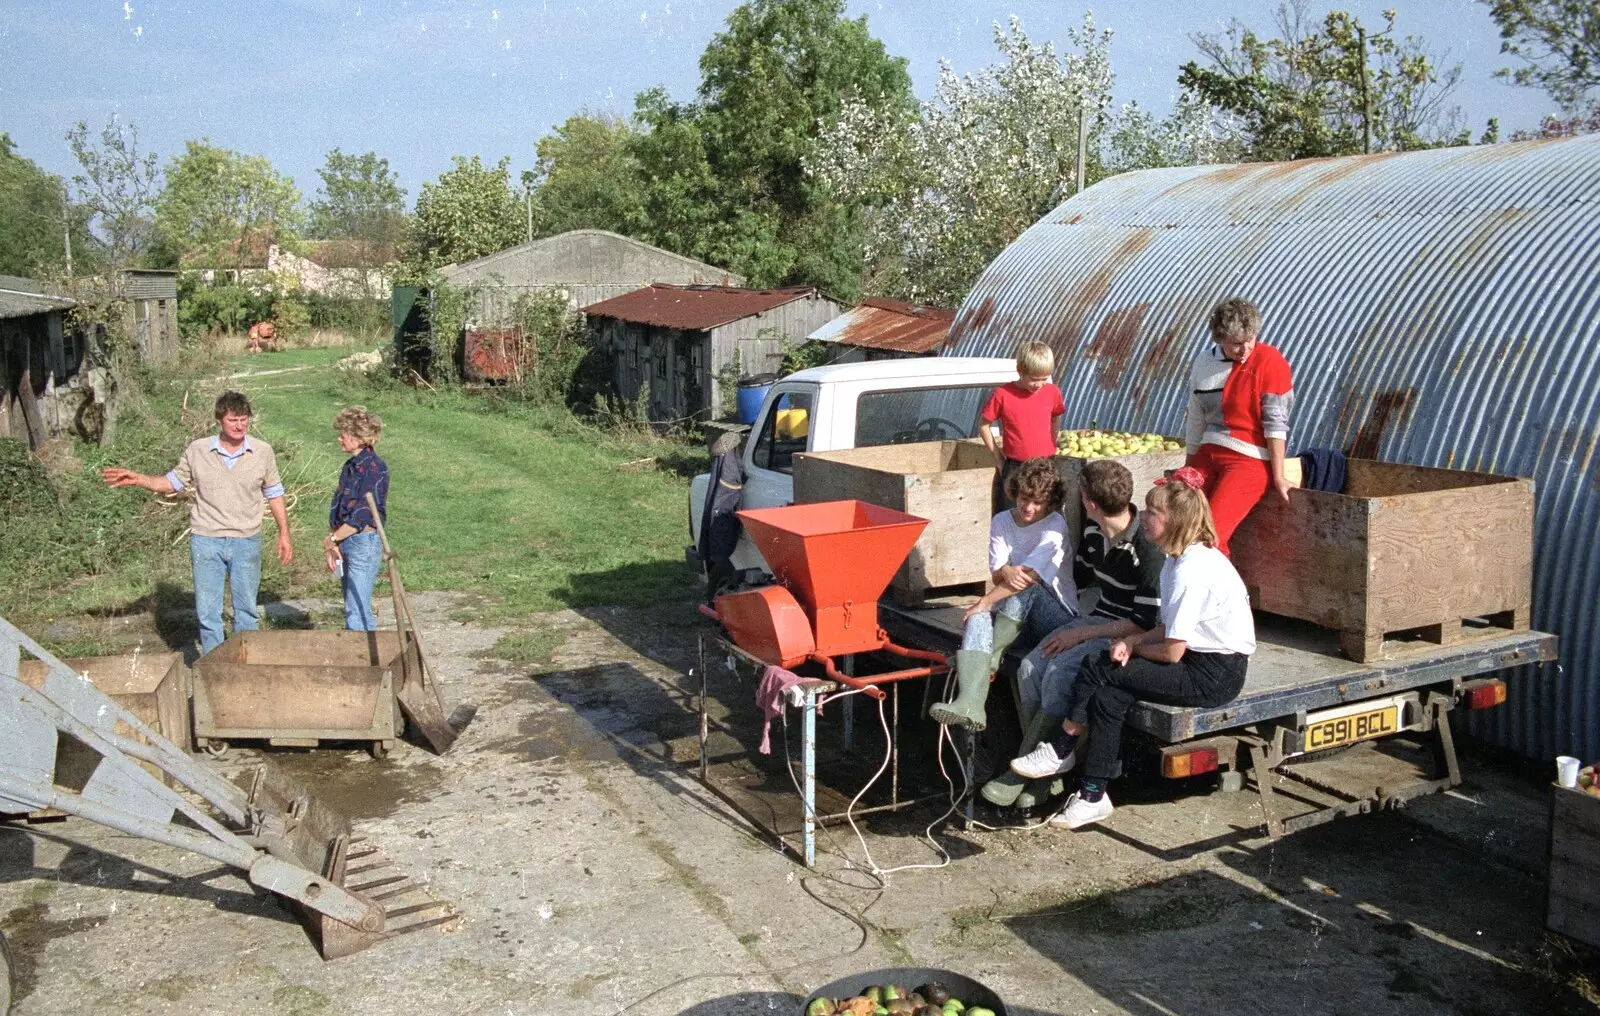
(1125, 564)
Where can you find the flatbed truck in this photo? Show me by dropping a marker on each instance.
(1317, 735)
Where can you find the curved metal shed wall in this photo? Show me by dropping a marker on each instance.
(1440, 308)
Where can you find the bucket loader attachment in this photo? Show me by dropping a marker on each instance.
(284, 839)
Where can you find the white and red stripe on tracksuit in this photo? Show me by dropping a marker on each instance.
(1234, 408)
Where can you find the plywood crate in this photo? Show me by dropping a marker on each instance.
(1404, 549)
(1146, 468)
(949, 483)
(151, 686)
(1574, 902)
(301, 688)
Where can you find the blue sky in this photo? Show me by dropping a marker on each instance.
(419, 81)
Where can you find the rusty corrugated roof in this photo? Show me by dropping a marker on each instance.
(1439, 308)
(881, 323)
(694, 308)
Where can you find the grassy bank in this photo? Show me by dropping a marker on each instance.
(526, 506)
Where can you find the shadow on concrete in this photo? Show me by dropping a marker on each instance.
(1366, 915)
(756, 1003)
(29, 928)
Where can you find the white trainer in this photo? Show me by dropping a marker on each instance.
(1042, 762)
(1079, 812)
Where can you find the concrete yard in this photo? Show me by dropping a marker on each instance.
(595, 875)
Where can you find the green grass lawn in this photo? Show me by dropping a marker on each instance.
(526, 506)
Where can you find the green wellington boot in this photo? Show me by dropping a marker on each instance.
(1008, 788)
(1006, 630)
(1038, 792)
(972, 679)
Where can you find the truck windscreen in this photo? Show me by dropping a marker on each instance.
(904, 416)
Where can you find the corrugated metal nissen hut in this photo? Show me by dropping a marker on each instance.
(676, 341)
(583, 266)
(1440, 308)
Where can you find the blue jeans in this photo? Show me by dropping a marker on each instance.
(363, 556)
(1046, 682)
(1036, 606)
(236, 560)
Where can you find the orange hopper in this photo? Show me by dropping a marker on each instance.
(834, 559)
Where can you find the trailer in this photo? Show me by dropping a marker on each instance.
(1313, 732)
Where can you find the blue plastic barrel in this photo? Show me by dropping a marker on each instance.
(752, 392)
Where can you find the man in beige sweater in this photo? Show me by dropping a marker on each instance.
(231, 475)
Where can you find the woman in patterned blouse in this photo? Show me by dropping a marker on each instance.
(353, 540)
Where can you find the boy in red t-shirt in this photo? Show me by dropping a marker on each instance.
(1029, 410)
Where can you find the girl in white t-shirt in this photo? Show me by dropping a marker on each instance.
(1196, 656)
(1027, 545)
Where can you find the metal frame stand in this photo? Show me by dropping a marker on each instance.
(812, 692)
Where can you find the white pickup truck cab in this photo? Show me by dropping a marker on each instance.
(854, 405)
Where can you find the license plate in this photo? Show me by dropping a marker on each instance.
(1360, 725)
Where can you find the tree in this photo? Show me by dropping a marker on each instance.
(118, 185)
(1194, 134)
(945, 188)
(587, 177)
(35, 217)
(220, 204)
(1558, 41)
(360, 199)
(468, 212)
(725, 177)
(1335, 89)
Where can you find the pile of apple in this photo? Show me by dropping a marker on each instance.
(1105, 444)
(932, 999)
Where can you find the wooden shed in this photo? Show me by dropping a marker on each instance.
(678, 342)
(150, 299)
(882, 329)
(38, 360)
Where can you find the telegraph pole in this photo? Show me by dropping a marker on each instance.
(66, 225)
(1366, 94)
(1083, 143)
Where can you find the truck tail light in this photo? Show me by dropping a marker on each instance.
(1483, 694)
(1181, 762)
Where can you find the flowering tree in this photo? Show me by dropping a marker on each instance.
(946, 187)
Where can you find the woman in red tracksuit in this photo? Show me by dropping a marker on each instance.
(1240, 396)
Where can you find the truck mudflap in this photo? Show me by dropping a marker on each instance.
(1303, 752)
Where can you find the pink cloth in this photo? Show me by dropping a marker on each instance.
(775, 681)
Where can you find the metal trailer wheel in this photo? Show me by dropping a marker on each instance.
(5, 976)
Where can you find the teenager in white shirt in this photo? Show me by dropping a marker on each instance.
(1196, 656)
(1027, 545)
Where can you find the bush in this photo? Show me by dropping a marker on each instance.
(211, 310)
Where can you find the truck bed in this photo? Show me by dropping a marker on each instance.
(1297, 667)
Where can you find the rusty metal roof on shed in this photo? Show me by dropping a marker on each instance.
(694, 308)
(1440, 308)
(881, 323)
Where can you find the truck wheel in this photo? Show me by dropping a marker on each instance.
(5, 977)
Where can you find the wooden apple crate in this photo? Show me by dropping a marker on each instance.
(946, 482)
(151, 686)
(301, 688)
(1405, 549)
(1146, 468)
(1574, 901)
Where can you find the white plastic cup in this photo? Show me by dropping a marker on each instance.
(1567, 770)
